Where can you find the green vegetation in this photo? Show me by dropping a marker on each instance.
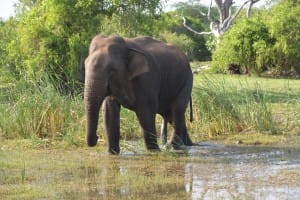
(223, 105)
(50, 38)
(42, 60)
(232, 104)
(43, 154)
(268, 41)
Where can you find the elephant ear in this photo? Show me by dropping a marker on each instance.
(137, 63)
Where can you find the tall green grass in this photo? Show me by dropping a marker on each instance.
(38, 111)
(222, 105)
(237, 104)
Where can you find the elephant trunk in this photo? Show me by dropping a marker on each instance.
(93, 98)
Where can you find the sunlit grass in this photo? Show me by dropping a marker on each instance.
(39, 112)
(223, 105)
(237, 104)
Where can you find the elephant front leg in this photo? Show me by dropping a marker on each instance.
(111, 118)
(147, 122)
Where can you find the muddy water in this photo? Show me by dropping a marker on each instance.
(243, 173)
(207, 171)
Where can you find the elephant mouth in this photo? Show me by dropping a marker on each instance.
(122, 97)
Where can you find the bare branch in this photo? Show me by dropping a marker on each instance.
(192, 30)
(226, 17)
(252, 2)
(203, 14)
(209, 12)
(227, 23)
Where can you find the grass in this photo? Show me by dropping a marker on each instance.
(39, 112)
(223, 105)
(240, 104)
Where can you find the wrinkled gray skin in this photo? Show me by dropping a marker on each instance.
(143, 75)
(164, 126)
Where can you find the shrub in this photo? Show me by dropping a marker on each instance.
(246, 44)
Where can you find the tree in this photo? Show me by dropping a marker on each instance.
(246, 45)
(170, 30)
(7, 35)
(285, 29)
(52, 36)
(267, 41)
(226, 18)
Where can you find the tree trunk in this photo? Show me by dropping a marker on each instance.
(226, 18)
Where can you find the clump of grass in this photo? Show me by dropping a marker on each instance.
(255, 110)
(214, 108)
(130, 128)
(229, 104)
(222, 105)
(33, 111)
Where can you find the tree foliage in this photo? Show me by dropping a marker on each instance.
(246, 44)
(51, 37)
(171, 30)
(48, 39)
(284, 25)
(267, 41)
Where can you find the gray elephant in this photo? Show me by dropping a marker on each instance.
(143, 75)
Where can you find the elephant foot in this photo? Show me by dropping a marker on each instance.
(114, 152)
(152, 147)
(154, 150)
(151, 141)
(92, 140)
(178, 149)
(188, 142)
(177, 143)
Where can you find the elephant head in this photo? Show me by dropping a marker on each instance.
(111, 65)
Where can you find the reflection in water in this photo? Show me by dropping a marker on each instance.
(208, 172)
(129, 178)
(90, 181)
(101, 181)
(243, 173)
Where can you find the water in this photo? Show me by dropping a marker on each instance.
(210, 171)
(206, 171)
(243, 173)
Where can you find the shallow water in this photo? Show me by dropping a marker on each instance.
(212, 171)
(206, 171)
(243, 173)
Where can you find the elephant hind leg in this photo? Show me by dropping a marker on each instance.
(180, 135)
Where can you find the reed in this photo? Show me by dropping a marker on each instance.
(222, 105)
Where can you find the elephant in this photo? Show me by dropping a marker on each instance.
(141, 74)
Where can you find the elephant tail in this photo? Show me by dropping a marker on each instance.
(191, 109)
